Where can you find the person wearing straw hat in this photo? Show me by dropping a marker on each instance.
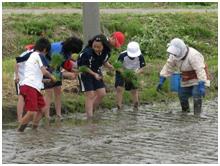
(194, 74)
(131, 59)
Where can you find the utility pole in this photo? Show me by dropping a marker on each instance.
(91, 22)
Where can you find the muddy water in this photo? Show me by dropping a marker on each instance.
(154, 134)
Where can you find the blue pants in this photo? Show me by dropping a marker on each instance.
(185, 93)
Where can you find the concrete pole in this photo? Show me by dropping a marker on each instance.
(91, 22)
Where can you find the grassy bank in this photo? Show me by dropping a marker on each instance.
(152, 31)
(111, 5)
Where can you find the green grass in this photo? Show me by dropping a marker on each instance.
(8, 66)
(111, 5)
(152, 31)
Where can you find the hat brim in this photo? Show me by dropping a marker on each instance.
(173, 50)
(133, 55)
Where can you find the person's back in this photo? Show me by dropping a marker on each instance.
(56, 47)
(32, 84)
(21, 64)
(32, 72)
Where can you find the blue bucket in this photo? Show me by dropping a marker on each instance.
(175, 82)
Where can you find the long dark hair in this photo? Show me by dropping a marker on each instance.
(100, 38)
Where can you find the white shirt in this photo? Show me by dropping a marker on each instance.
(21, 67)
(32, 72)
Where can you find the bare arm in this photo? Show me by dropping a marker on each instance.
(141, 70)
(108, 65)
(96, 75)
(47, 73)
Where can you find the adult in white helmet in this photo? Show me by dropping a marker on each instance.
(194, 74)
(131, 59)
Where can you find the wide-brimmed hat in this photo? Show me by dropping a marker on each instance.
(133, 49)
(177, 47)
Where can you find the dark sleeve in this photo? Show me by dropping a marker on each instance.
(44, 60)
(83, 59)
(23, 58)
(107, 57)
(121, 58)
(142, 61)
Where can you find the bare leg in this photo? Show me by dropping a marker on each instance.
(69, 75)
(57, 95)
(36, 119)
(25, 120)
(135, 98)
(119, 96)
(100, 93)
(48, 97)
(89, 103)
(20, 107)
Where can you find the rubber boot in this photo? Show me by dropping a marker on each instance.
(197, 106)
(185, 106)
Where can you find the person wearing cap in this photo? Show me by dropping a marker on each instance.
(116, 39)
(194, 74)
(132, 59)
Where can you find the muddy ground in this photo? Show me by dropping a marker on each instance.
(154, 134)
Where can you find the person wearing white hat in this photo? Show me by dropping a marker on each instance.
(194, 74)
(134, 60)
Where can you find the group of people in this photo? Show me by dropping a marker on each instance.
(33, 73)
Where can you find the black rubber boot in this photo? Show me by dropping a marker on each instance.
(185, 106)
(22, 127)
(197, 106)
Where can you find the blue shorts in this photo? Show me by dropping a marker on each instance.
(89, 83)
(119, 81)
